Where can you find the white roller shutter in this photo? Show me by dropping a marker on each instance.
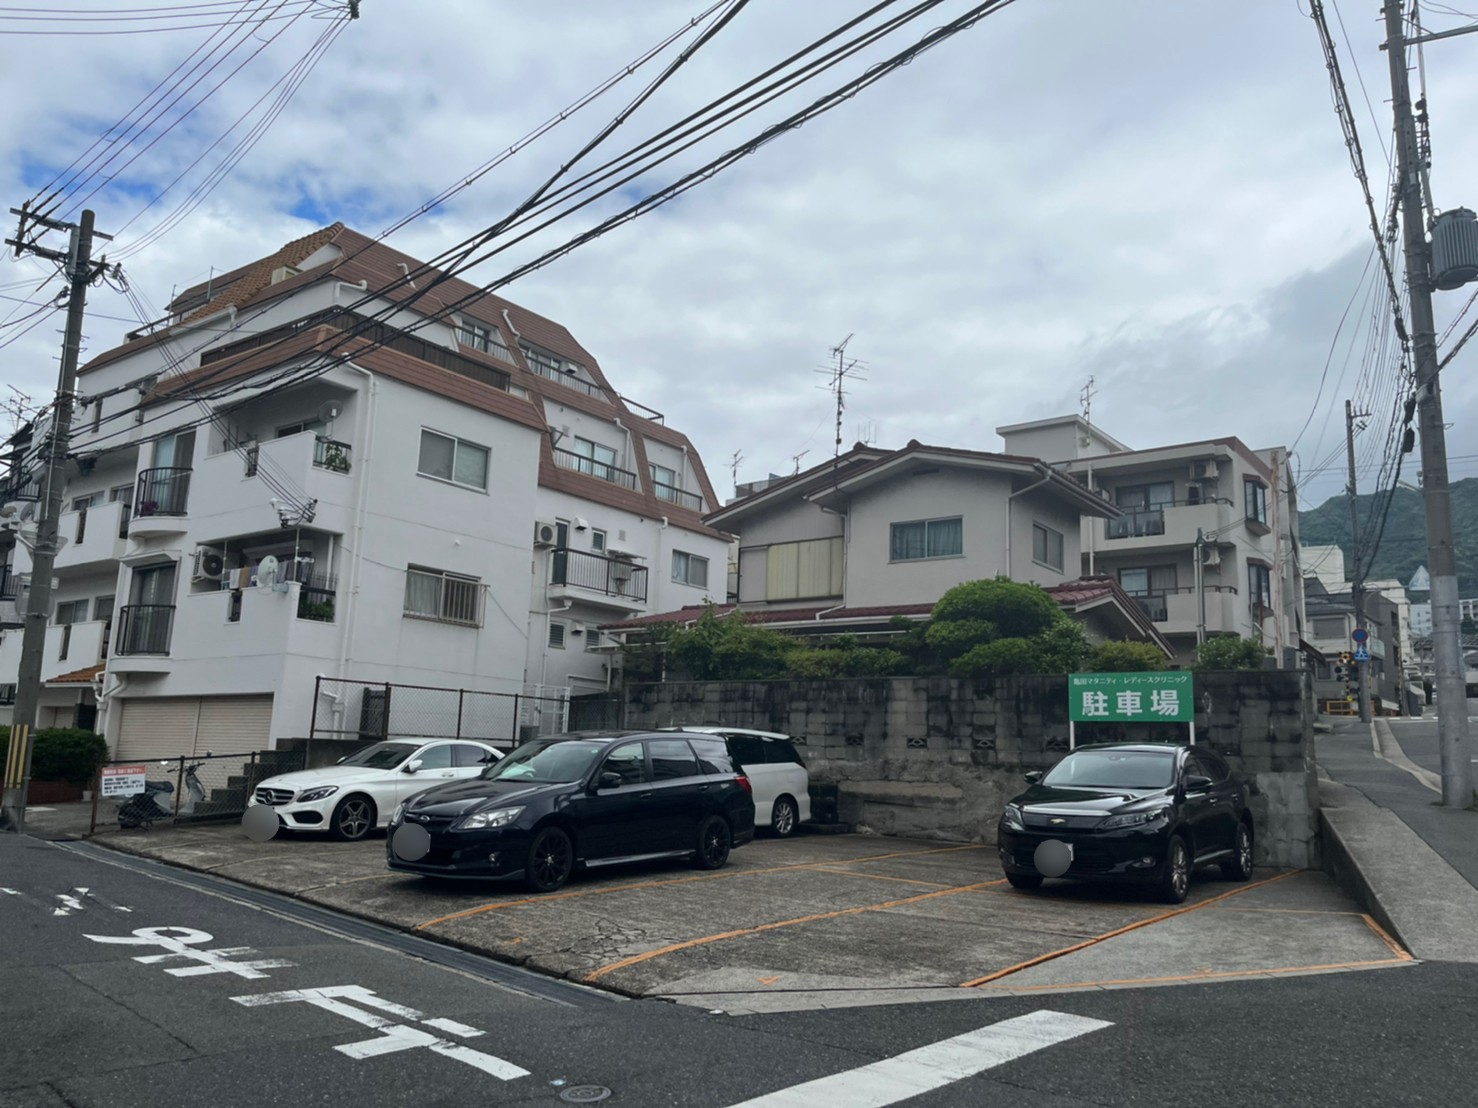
(158, 727)
(234, 724)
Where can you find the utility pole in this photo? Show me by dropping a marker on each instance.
(80, 271)
(1357, 577)
(1452, 704)
(1200, 572)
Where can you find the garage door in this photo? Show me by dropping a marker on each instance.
(176, 726)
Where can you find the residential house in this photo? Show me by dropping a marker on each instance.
(333, 461)
(1206, 538)
(1331, 628)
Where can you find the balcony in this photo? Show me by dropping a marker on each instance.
(144, 629)
(1172, 523)
(161, 501)
(568, 459)
(674, 495)
(331, 454)
(20, 487)
(97, 536)
(591, 575)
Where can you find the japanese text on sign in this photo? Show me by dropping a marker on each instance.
(1131, 697)
(122, 780)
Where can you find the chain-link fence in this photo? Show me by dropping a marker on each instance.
(176, 790)
(370, 711)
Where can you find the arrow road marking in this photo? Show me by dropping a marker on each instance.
(931, 1067)
(177, 942)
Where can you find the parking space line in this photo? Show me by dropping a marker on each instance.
(550, 898)
(688, 944)
(1385, 936)
(881, 877)
(979, 981)
(1204, 975)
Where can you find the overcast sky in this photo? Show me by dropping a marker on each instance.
(1150, 192)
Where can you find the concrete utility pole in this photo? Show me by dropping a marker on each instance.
(80, 271)
(1452, 704)
(1357, 578)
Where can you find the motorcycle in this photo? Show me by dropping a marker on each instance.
(194, 790)
(142, 810)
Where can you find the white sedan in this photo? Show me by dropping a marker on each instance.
(358, 794)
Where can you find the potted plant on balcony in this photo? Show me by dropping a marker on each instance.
(335, 459)
(148, 507)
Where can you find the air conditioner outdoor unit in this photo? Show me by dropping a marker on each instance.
(545, 533)
(1204, 470)
(1211, 556)
(210, 564)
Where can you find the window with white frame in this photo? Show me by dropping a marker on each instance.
(689, 569)
(1047, 547)
(665, 481)
(596, 458)
(927, 538)
(556, 634)
(598, 541)
(446, 458)
(480, 336)
(1260, 589)
(1255, 494)
(446, 597)
(592, 638)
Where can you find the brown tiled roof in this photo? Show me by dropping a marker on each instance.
(242, 285)
(79, 676)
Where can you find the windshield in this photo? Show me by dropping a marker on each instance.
(546, 762)
(1114, 769)
(381, 755)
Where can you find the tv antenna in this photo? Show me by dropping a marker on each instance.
(1086, 399)
(734, 469)
(839, 375)
(796, 461)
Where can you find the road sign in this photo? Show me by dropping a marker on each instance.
(1131, 697)
(1362, 655)
(1360, 634)
(122, 780)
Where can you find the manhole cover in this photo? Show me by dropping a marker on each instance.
(584, 1094)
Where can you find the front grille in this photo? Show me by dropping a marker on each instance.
(1088, 856)
(274, 797)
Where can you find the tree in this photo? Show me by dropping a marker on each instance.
(1230, 652)
(729, 649)
(1125, 657)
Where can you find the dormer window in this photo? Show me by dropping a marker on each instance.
(479, 336)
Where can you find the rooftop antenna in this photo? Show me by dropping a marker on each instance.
(1086, 399)
(1085, 440)
(796, 460)
(734, 469)
(838, 375)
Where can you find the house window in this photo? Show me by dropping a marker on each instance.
(598, 541)
(689, 569)
(1255, 495)
(546, 364)
(927, 538)
(317, 426)
(7, 694)
(484, 338)
(80, 505)
(664, 481)
(1330, 628)
(448, 597)
(592, 638)
(1149, 586)
(596, 459)
(455, 460)
(1047, 547)
(68, 613)
(1260, 589)
(102, 609)
(804, 570)
(556, 634)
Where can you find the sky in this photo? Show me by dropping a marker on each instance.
(1152, 194)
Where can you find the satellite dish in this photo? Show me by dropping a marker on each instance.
(267, 572)
(329, 411)
(28, 511)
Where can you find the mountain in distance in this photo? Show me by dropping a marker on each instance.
(1403, 546)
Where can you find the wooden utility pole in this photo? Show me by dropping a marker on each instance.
(1357, 575)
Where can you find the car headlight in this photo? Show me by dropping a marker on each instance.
(308, 795)
(1133, 819)
(1011, 817)
(399, 811)
(483, 821)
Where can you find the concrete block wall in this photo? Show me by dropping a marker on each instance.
(939, 757)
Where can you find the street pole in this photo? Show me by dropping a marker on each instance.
(1452, 704)
(80, 273)
(1200, 575)
(1357, 578)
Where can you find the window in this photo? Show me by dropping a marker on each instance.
(748, 750)
(1145, 497)
(1148, 585)
(1255, 495)
(80, 505)
(454, 460)
(546, 364)
(713, 755)
(596, 458)
(102, 608)
(592, 638)
(598, 541)
(449, 597)
(556, 634)
(804, 570)
(1260, 589)
(484, 338)
(465, 754)
(1047, 546)
(71, 611)
(689, 569)
(671, 758)
(928, 538)
(1330, 628)
(435, 757)
(628, 762)
(7, 694)
(664, 481)
(317, 426)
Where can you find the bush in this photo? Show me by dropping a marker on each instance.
(1230, 652)
(1125, 657)
(67, 754)
(1014, 610)
(729, 649)
(996, 659)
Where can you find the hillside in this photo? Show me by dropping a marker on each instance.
(1404, 545)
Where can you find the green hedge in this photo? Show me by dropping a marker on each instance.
(67, 754)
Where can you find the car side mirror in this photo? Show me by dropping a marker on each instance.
(1032, 776)
(412, 766)
(1194, 782)
(609, 781)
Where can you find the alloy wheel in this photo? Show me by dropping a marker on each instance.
(354, 819)
(716, 843)
(552, 856)
(783, 821)
(1180, 869)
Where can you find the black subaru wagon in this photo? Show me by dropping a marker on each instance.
(1148, 813)
(583, 799)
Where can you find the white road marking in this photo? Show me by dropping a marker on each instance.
(931, 1067)
(392, 1037)
(178, 941)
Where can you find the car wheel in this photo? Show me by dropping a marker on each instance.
(783, 817)
(353, 819)
(551, 860)
(714, 840)
(1240, 867)
(1025, 880)
(1175, 877)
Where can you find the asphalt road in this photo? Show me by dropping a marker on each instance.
(217, 1001)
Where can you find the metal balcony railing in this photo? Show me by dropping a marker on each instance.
(675, 495)
(1156, 606)
(609, 576)
(331, 454)
(9, 585)
(20, 487)
(568, 459)
(162, 492)
(144, 629)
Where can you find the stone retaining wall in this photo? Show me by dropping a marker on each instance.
(939, 757)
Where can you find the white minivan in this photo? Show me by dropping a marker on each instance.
(781, 783)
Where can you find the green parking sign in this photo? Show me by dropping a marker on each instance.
(1131, 697)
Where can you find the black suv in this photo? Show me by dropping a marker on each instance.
(586, 799)
(1148, 813)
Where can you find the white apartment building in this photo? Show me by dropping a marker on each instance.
(332, 462)
(1241, 502)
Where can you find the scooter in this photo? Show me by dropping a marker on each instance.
(194, 790)
(142, 810)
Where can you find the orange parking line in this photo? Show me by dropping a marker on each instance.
(1396, 948)
(706, 939)
(977, 982)
(880, 877)
(1206, 975)
(549, 898)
